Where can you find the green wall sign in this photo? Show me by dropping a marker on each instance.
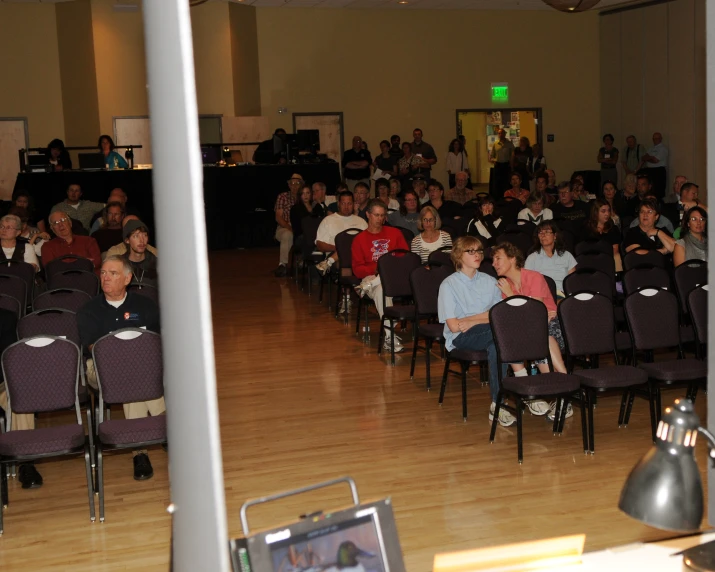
(500, 92)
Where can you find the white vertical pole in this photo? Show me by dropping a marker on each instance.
(200, 538)
(710, 141)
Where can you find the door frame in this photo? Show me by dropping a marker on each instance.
(338, 113)
(538, 111)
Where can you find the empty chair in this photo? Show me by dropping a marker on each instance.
(589, 331)
(650, 258)
(394, 269)
(67, 262)
(642, 277)
(23, 270)
(14, 287)
(11, 304)
(151, 292)
(425, 282)
(407, 233)
(593, 245)
(552, 287)
(698, 310)
(598, 261)
(75, 279)
(441, 257)
(346, 280)
(42, 375)
(688, 276)
(519, 326)
(121, 378)
(588, 280)
(652, 316)
(66, 298)
(50, 322)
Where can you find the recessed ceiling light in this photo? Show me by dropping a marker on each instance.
(402, 1)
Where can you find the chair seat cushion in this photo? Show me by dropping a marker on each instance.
(675, 370)
(128, 431)
(42, 441)
(435, 331)
(468, 355)
(348, 281)
(613, 376)
(542, 384)
(400, 312)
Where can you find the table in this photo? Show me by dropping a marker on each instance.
(238, 201)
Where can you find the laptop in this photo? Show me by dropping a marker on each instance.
(91, 161)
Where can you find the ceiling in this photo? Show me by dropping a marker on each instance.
(388, 4)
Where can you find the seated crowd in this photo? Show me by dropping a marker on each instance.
(117, 245)
(529, 237)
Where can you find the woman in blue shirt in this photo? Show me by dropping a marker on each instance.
(112, 159)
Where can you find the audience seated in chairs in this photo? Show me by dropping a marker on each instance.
(14, 248)
(693, 244)
(143, 262)
(408, 215)
(601, 226)
(121, 248)
(301, 209)
(464, 301)
(487, 225)
(321, 202)
(112, 310)
(368, 246)
(646, 235)
(332, 225)
(382, 192)
(534, 211)
(430, 237)
(446, 209)
(284, 231)
(516, 191)
(117, 195)
(361, 197)
(460, 193)
(548, 255)
(22, 199)
(571, 214)
(66, 242)
(110, 232)
(77, 209)
(31, 234)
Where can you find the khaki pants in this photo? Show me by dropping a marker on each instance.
(20, 420)
(285, 237)
(375, 293)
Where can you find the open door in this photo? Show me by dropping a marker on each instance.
(13, 137)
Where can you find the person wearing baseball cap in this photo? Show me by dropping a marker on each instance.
(142, 261)
(284, 231)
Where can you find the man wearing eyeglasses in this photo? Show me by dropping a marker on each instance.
(284, 231)
(356, 164)
(65, 242)
(75, 208)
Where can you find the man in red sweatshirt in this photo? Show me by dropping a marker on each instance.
(370, 245)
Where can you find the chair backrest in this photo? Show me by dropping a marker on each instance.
(310, 226)
(588, 280)
(520, 329)
(441, 257)
(22, 270)
(11, 304)
(698, 310)
(129, 366)
(66, 298)
(650, 258)
(593, 245)
(75, 279)
(587, 324)
(407, 233)
(50, 322)
(68, 262)
(425, 282)
(14, 286)
(569, 240)
(394, 269)
(344, 244)
(688, 276)
(519, 239)
(487, 267)
(151, 292)
(598, 261)
(42, 374)
(551, 283)
(652, 316)
(653, 277)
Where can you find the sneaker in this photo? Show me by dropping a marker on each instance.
(323, 267)
(341, 308)
(552, 411)
(505, 418)
(398, 342)
(280, 271)
(538, 407)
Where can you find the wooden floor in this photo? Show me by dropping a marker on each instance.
(302, 399)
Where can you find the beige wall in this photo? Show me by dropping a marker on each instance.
(244, 59)
(653, 79)
(391, 71)
(30, 69)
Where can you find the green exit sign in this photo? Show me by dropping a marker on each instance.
(500, 92)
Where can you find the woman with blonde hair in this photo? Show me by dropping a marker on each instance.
(430, 237)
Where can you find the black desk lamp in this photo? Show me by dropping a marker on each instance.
(664, 489)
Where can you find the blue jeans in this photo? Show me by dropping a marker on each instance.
(479, 338)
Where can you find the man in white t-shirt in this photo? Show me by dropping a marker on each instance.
(333, 225)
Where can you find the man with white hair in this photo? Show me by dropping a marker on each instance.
(11, 248)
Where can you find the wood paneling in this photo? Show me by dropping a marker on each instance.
(301, 400)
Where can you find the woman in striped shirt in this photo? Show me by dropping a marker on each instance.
(430, 238)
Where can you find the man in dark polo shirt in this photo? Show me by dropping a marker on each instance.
(112, 310)
(571, 215)
(356, 164)
(424, 150)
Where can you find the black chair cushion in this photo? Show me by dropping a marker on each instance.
(435, 331)
(675, 370)
(42, 441)
(468, 355)
(542, 384)
(400, 312)
(128, 431)
(613, 376)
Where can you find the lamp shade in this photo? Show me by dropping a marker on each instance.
(571, 5)
(664, 489)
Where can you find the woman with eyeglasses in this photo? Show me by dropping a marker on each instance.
(10, 247)
(486, 225)
(549, 255)
(693, 243)
(647, 236)
(430, 238)
(463, 305)
(534, 210)
(382, 187)
(408, 215)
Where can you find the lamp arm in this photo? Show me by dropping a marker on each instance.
(711, 443)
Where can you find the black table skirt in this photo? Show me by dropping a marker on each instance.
(238, 201)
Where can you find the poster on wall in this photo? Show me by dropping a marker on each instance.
(491, 139)
(515, 116)
(494, 118)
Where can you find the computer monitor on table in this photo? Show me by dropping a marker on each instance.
(91, 161)
(308, 140)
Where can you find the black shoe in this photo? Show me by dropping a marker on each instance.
(29, 477)
(142, 467)
(280, 271)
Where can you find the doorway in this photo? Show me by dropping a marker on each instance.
(480, 127)
(330, 128)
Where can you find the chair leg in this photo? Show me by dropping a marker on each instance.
(444, 380)
(100, 482)
(90, 431)
(320, 289)
(90, 483)
(414, 356)
(519, 437)
(629, 407)
(484, 373)
(465, 367)
(564, 409)
(392, 343)
(658, 403)
(653, 412)
(497, 407)
(428, 351)
(357, 318)
(622, 412)
(557, 415)
(589, 394)
(366, 337)
(3, 494)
